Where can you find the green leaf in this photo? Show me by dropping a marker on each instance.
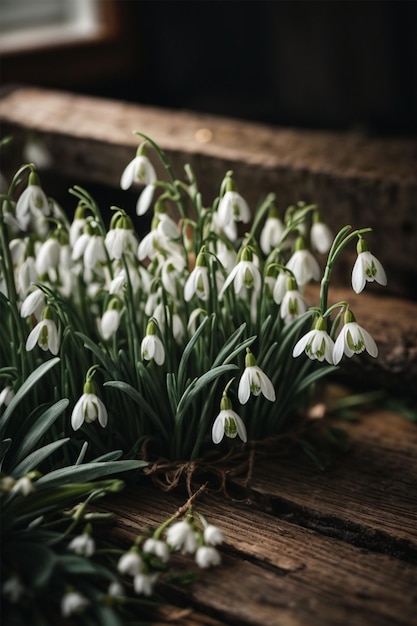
(182, 367)
(4, 447)
(32, 461)
(25, 388)
(140, 400)
(198, 384)
(73, 564)
(38, 429)
(35, 561)
(88, 472)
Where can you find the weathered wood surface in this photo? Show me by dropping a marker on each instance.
(305, 547)
(353, 178)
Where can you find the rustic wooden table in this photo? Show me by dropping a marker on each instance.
(304, 547)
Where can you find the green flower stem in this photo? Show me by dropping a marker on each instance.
(339, 244)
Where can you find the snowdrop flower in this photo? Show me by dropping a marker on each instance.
(139, 170)
(35, 151)
(367, 268)
(181, 536)
(317, 343)
(115, 589)
(23, 485)
(13, 589)
(26, 275)
(121, 239)
(89, 408)
(72, 603)
(213, 536)
(6, 396)
(321, 236)
(303, 264)
(32, 204)
(226, 255)
(152, 347)
(33, 304)
(232, 207)
(254, 380)
(293, 304)
(228, 423)
(83, 545)
(78, 224)
(207, 556)
(110, 321)
(143, 584)
(90, 247)
(271, 232)
(353, 339)
(130, 563)
(158, 548)
(45, 334)
(198, 281)
(244, 274)
(48, 256)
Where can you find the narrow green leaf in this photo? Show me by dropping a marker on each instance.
(33, 460)
(25, 388)
(182, 367)
(88, 472)
(38, 429)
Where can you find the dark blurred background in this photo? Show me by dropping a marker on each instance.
(329, 65)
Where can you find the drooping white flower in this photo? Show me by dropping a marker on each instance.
(303, 264)
(130, 563)
(83, 545)
(293, 303)
(116, 589)
(48, 256)
(152, 346)
(228, 423)
(198, 281)
(271, 232)
(367, 268)
(143, 584)
(321, 236)
(33, 204)
(254, 381)
(45, 334)
(213, 536)
(353, 339)
(27, 274)
(181, 536)
(13, 589)
(121, 239)
(6, 395)
(157, 547)
(207, 556)
(110, 321)
(23, 485)
(33, 304)
(139, 170)
(233, 207)
(91, 248)
(73, 602)
(317, 343)
(89, 408)
(244, 275)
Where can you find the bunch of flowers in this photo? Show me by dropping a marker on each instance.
(195, 332)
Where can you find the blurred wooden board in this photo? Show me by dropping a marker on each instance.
(305, 547)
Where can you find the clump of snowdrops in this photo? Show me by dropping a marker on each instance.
(196, 333)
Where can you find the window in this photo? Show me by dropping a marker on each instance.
(43, 23)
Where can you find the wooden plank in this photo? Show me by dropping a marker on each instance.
(368, 496)
(275, 572)
(354, 179)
